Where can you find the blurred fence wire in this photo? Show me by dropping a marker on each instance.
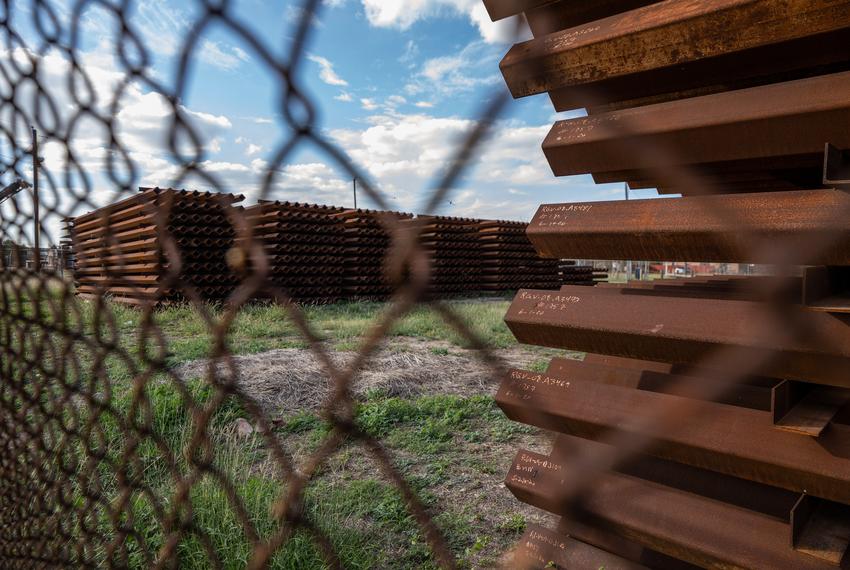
(77, 452)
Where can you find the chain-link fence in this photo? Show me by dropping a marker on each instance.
(80, 435)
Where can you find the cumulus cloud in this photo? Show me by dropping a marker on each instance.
(222, 56)
(457, 73)
(326, 71)
(345, 97)
(402, 14)
(141, 119)
(368, 104)
(405, 152)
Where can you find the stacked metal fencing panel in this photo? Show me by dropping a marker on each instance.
(305, 248)
(118, 249)
(572, 273)
(367, 245)
(708, 425)
(510, 261)
(314, 253)
(454, 248)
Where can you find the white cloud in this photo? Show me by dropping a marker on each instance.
(457, 73)
(222, 56)
(142, 120)
(424, 104)
(411, 51)
(345, 97)
(404, 153)
(368, 104)
(402, 14)
(253, 149)
(326, 71)
(214, 145)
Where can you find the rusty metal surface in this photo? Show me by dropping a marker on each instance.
(103, 241)
(726, 439)
(682, 330)
(683, 524)
(541, 548)
(732, 97)
(680, 229)
(509, 260)
(667, 34)
(611, 542)
(755, 393)
(777, 127)
(555, 16)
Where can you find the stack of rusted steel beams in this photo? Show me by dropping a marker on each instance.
(709, 424)
(154, 246)
(455, 252)
(306, 248)
(571, 273)
(367, 244)
(510, 260)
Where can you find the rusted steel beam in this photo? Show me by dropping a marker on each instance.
(683, 523)
(500, 9)
(755, 394)
(676, 33)
(557, 16)
(805, 409)
(779, 126)
(734, 440)
(541, 548)
(721, 178)
(682, 330)
(704, 228)
(784, 289)
(820, 529)
(628, 363)
(630, 550)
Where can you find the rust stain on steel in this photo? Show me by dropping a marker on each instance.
(694, 229)
(500, 9)
(556, 16)
(671, 33)
(753, 393)
(681, 523)
(610, 542)
(119, 248)
(760, 128)
(682, 330)
(727, 439)
(541, 548)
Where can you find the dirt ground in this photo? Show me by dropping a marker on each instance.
(286, 381)
(291, 379)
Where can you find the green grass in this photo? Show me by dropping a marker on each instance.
(436, 441)
(263, 327)
(365, 517)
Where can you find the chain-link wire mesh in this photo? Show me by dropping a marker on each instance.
(78, 451)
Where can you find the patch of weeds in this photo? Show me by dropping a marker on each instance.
(302, 422)
(515, 523)
(440, 351)
(506, 431)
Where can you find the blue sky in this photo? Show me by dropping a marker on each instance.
(397, 82)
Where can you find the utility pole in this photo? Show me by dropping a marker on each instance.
(35, 202)
(354, 183)
(628, 262)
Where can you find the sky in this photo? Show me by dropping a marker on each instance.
(396, 84)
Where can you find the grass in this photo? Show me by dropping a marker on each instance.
(450, 449)
(263, 327)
